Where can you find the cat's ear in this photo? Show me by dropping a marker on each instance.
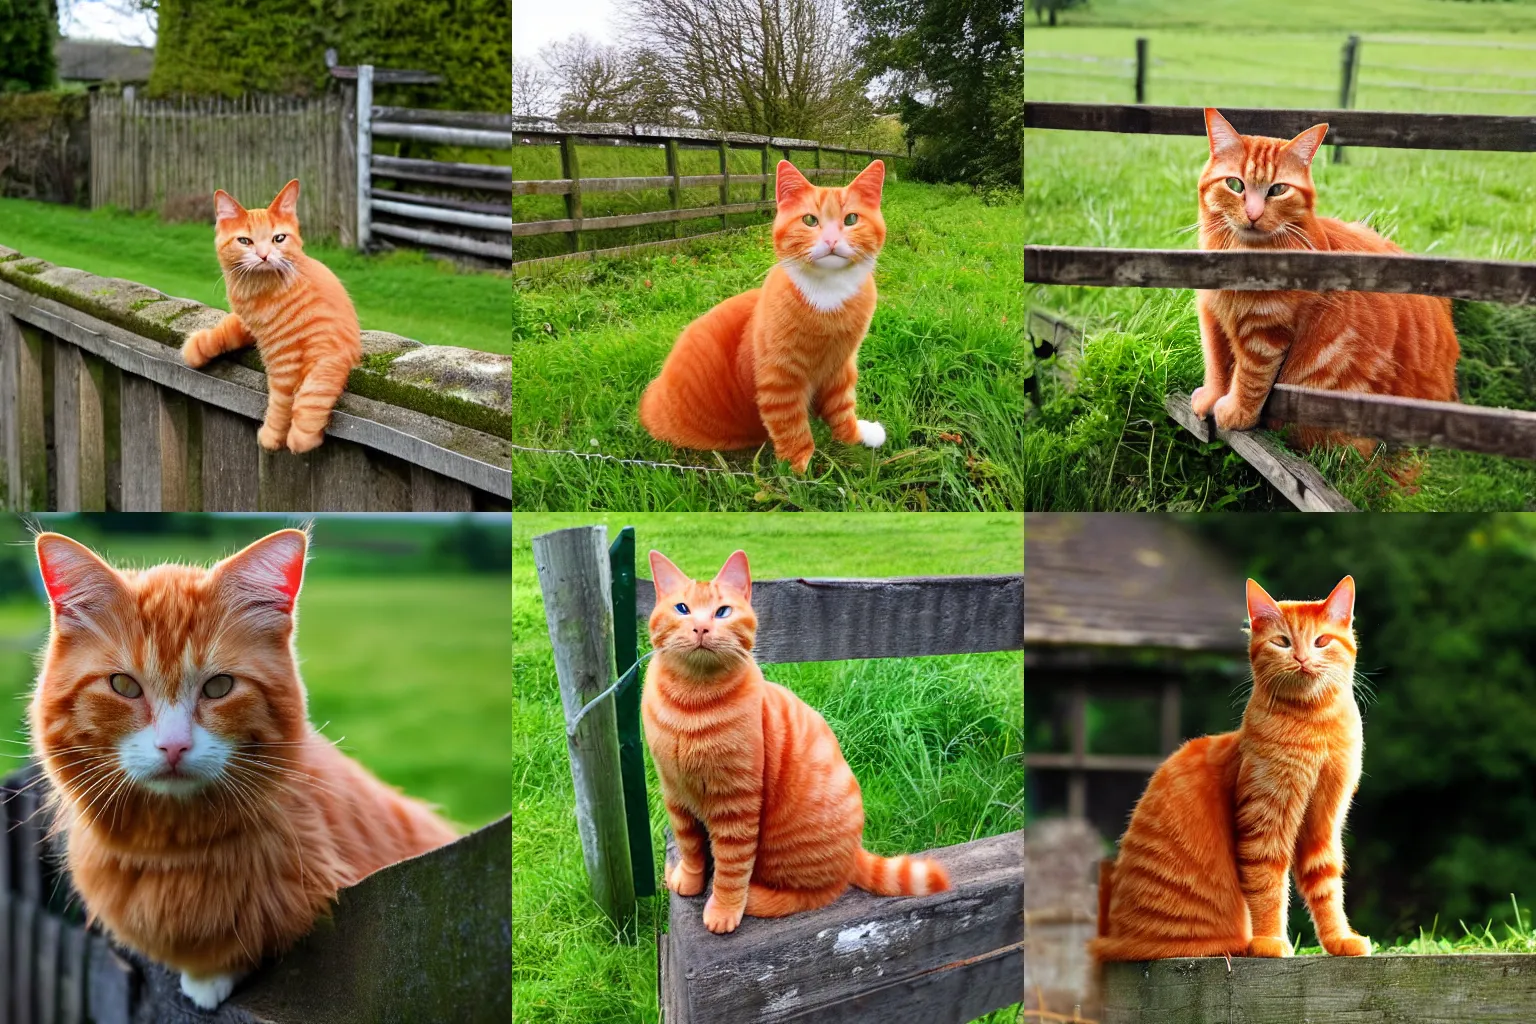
(1340, 606)
(287, 202)
(1305, 146)
(269, 572)
(735, 575)
(791, 183)
(225, 207)
(1223, 137)
(77, 581)
(668, 578)
(1260, 605)
(868, 183)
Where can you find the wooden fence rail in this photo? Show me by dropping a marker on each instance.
(425, 939)
(98, 412)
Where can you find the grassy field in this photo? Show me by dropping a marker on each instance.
(405, 664)
(1108, 443)
(404, 291)
(933, 741)
(942, 369)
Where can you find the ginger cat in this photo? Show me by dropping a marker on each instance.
(1257, 193)
(1202, 866)
(295, 311)
(206, 824)
(746, 371)
(752, 766)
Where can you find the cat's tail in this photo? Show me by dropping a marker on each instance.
(898, 876)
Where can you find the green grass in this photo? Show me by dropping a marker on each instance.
(942, 369)
(408, 669)
(404, 292)
(1517, 936)
(1108, 443)
(934, 741)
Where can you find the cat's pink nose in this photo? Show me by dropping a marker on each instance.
(701, 630)
(174, 750)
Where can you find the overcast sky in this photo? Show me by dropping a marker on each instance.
(93, 19)
(534, 24)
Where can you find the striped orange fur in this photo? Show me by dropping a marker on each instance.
(750, 768)
(752, 368)
(1257, 193)
(295, 311)
(1202, 868)
(207, 824)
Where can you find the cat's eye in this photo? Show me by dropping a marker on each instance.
(1322, 641)
(243, 240)
(125, 686)
(1236, 185)
(810, 220)
(851, 219)
(279, 238)
(682, 608)
(218, 686)
(1281, 641)
(1278, 188)
(723, 612)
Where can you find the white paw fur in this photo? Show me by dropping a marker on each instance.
(871, 434)
(208, 992)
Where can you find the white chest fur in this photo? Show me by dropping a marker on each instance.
(827, 290)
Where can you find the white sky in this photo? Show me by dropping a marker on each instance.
(93, 19)
(536, 22)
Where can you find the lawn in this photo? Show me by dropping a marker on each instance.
(1107, 443)
(942, 369)
(405, 665)
(405, 291)
(935, 742)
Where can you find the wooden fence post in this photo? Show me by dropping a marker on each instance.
(570, 167)
(574, 577)
(1141, 69)
(364, 156)
(767, 175)
(677, 185)
(725, 181)
(1347, 84)
(626, 651)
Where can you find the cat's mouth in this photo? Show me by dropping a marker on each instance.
(831, 261)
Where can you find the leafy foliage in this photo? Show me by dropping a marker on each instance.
(27, 32)
(45, 145)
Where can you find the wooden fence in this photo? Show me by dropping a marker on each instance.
(425, 939)
(1395, 420)
(170, 155)
(1499, 989)
(98, 412)
(817, 161)
(945, 958)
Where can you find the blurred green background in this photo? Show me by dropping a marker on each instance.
(403, 639)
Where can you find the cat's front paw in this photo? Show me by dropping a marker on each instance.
(300, 442)
(1348, 945)
(871, 434)
(1201, 401)
(799, 461)
(1230, 417)
(719, 919)
(208, 992)
(272, 439)
(192, 349)
(1269, 945)
(685, 881)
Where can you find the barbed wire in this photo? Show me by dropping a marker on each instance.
(603, 457)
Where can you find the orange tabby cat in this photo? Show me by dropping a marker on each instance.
(207, 825)
(293, 308)
(1257, 193)
(746, 371)
(1202, 867)
(752, 765)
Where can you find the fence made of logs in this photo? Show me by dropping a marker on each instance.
(1390, 419)
(817, 161)
(945, 958)
(426, 939)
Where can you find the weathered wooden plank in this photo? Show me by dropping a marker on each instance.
(1386, 128)
(453, 118)
(429, 199)
(10, 411)
(1498, 989)
(1409, 421)
(24, 962)
(1288, 270)
(283, 482)
(433, 493)
(231, 461)
(111, 986)
(575, 579)
(1294, 477)
(441, 215)
(154, 446)
(48, 950)
(560, 186)
(476, 138)
(29, 473)
(484, 175)
(444, 240)
(79, 431)
(75, 954)
(534, 128)
(345, 478)
(543, 263)
(953, 994)
(901, 617)
(793, 968)
(522, 229)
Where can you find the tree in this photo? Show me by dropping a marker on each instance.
(599, 82)
(28, 29)
(1044, 8)
(955, 69)
(533, 91)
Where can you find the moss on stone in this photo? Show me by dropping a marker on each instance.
(371, 384)
(136, 304)
(31, 268)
